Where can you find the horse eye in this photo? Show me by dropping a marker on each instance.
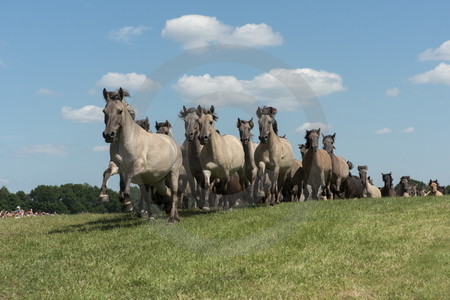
(120, 111)
(210, 122)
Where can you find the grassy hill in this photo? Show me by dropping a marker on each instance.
(366, 248)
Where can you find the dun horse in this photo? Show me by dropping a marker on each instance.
(221, 156)
(339, 166)
(137, 150)
(317, 166)
(434, 188)
(251, 170)
(273, 155)
(370, 190)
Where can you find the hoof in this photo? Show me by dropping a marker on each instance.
(206, 209)
(128, 208)
(151, 218)
(173, 221)
(142, 214)
(104, 198)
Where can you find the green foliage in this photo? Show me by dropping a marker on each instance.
(389, 248)
(9, 201)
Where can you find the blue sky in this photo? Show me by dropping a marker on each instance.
(379, 70)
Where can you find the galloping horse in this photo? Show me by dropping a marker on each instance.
(339, 166)
(251, 170)
(405, 187)
(317, 166)
(113, 148)
(274, 154)
(434, 188)
(221, 156)
(370, 190)
(137, 150)
(388, 188)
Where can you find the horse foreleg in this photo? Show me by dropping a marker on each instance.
(206, 190)
(111, 170)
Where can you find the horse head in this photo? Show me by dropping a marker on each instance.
(164, 128)
(267, 122)
(363, 173)
(303, 149)
(245, 128)
(312, 139)
(206, 119)
(328, 142)
(114, 112)
(190, 118)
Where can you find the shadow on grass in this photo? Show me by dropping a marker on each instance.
(104, 223)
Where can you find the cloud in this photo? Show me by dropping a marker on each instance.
(409, 130)
(440, 53)
(440, 74)
(314, 125)
(383, 131)
(130, 81)
(102, 148)
(199, 31)
(285, 88)
(392, 92)
(48, 149)
(128, 33)
(86, 114)
(47, 92)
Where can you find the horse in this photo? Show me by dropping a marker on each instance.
(370, 191)
(293, 181)
(137, 150)
(388, 188)
(112, 168)
(339, 166)
(249, 147)
(317, 166)
(353, 188)
(434, 188)
(191, 149)
(274, 154)
(221, 155)
(164, 128)
(404, 189)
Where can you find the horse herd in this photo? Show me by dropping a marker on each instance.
(220, 169)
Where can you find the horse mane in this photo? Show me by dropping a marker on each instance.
(114, 95)
(183, 113)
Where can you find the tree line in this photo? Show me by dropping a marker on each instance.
(64, 199)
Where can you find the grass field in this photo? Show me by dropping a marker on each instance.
(390, 248)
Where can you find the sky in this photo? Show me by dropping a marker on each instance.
(376, 73)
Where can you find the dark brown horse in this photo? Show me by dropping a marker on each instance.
(388, 188)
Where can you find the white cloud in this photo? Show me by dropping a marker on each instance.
(86, 114)
(102, 148)
(129, 81)
(440, 74)
(128, 33)
(313, 125)
(199, 31)
(383, 131)
(284, 88)
(440, 53)
(409, 130)
(47, 92)
(392, 92)
(44, 149)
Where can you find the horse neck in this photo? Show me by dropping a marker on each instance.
(128, 131)
(215, 145)
(194, 146)
(249, 153)
(273, 140)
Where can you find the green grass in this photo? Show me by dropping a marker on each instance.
(391, 248)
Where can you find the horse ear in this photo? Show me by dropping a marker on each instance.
(212, 109)
(250, 123)
(318, 131)
(105, 95)
(120, 94)
(156, 125)
(334, 135)
(146, 119)
(199, 110)
(238, 124)
(258, 112)
(168, 124)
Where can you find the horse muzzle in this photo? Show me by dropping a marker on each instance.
(245, 141)
(203, 140)
(109, 137)
(264, 138)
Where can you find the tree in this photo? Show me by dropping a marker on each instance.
(47, 199)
